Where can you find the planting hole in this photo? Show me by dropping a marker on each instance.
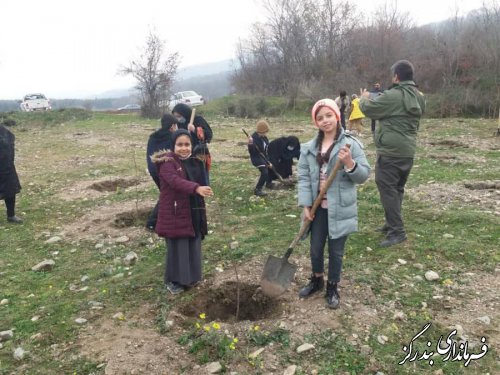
(220, 304)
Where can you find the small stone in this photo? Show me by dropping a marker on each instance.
(6, 335)
(399, 315)
(72, 251)
(19, 354)
(234, 245)
(119, 316)
(418, 266)
(366, 350)
(99, 246)
(282, 325)
(431, 276)
(119, 276)
(130, 259)
(447, 235)
(256, 353)
(382, 339)
(402, 261)
(84, 289)
(214, 368)
(239, 198)
(460, 330)
(36, 337)
(290, 370)
(122, 239)
(80, 321)
(305, 348)
(35, 318)
(485, 320)
(169, 324)
(419, 278)
(5, 301)
(52, 240)
(46, 265)
(369, 248)
(388, 280)
(84, 279)
(100, 365)
(379, 373)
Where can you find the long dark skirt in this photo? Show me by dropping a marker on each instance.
(183, 263)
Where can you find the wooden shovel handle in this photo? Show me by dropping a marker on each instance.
(193, 113)
(317, 202)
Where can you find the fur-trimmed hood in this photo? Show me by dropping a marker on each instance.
(162, 156)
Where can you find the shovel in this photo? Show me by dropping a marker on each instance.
(278, 272)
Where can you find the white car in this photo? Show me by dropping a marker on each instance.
(190, 98)
(35, 102)
(130, 108)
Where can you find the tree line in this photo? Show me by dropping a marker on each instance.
(315, 48)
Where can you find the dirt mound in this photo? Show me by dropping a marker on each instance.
(445, 195)
(110, 221)
(113, 185)
(449, 143)
(220, 303)
(97, 188)
(133, 218)
(483, 185)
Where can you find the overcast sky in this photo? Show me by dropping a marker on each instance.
(74, 48)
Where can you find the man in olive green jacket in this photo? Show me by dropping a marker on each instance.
(398, 111)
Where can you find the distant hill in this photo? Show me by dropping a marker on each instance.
(207, 69)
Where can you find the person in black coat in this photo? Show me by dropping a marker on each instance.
(257, 146)
(281, 153)
(200, 130)
(9, 181)
(160, 140)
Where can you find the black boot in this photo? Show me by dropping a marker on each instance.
(332, 295)
(316, 284)
(258, 192)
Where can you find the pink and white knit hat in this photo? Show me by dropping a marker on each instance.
(325, 103)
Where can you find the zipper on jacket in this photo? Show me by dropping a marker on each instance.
(175, 207)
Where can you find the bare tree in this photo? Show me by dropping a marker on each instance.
(154, 72)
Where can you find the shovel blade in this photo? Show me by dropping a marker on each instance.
(277, 276)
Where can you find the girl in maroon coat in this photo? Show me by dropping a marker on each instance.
(181, 215)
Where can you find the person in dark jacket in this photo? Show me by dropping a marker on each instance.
(257, 148)
(200, 131)
(160, 140)
(398, 111)
(181, 216)
(9, 181)
(281, 152)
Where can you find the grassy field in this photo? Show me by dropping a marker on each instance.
(132, 325)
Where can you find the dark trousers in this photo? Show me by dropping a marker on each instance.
(342, 119)
(10, 203)
(153, 216)
(319, 236)
(373, 126)
(391, 175)
(264, 178)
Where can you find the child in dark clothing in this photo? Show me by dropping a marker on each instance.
(160, 140)
(257, 148)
